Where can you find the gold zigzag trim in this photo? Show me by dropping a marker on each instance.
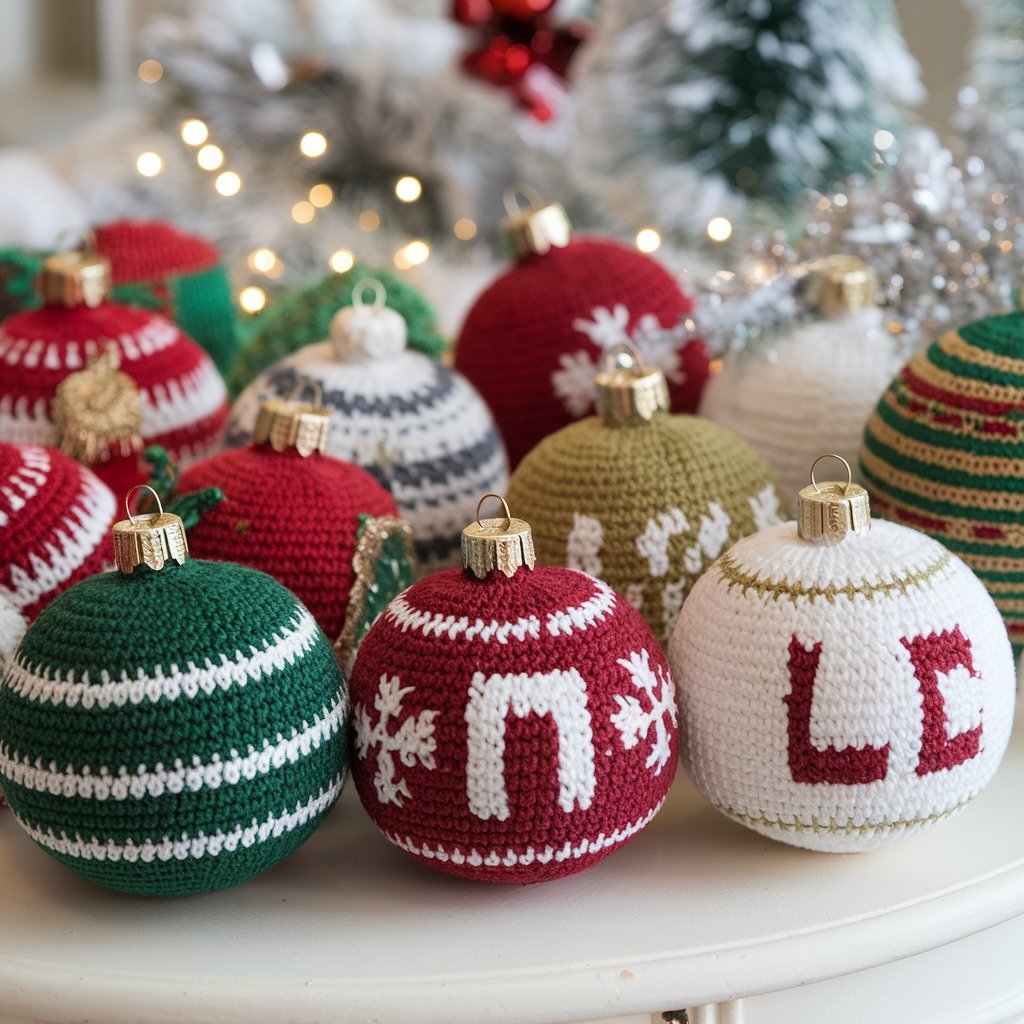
(817, 826)
(751, 581)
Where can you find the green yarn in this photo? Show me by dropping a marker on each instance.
(392, 573)
(303, 317)
(207, 688)
(18, 271)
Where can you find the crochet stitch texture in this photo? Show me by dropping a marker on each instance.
(944, 452)
(55, 519)
(532, 342)
(646, 507)
(418, 427)
(172, 732)
(841, 696)
(512, 729)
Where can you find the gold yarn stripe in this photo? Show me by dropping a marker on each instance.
(956, 528)
(945, 458)
(967, 497)
(983, 564)
(938, 377)
(817, 826)
(736, 576)
(952, 343)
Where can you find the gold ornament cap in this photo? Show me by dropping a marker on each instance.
(98, 411)
(535, 229)
(152, 538)
(504, 544)
(830, 512)
(839, 285)
(75, 277)
(627, 392)
(286, 423)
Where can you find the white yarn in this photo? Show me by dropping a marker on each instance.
(810, 393)
(367, 332)
(888, 584)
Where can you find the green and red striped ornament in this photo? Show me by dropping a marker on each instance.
(944, 452)
(174, 727)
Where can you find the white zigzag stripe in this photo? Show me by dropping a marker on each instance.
(65, 549)
(279, 651)
(123, 784)
(428, 623)
(180, 401)
(195, 847)
(511, 859)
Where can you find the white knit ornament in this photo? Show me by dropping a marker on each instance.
(869, 696)
(368, 331)
(829, 373)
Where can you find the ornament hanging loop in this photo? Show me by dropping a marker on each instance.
(85, 237)
(151, 538)
(289, 423)
(504, 508)
(510, 198)
(832, 455)
(380, 293)
(534, 230)
(626, 391)
(303, 385)
(128, 502)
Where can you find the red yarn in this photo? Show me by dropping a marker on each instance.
(55, 519)
(429, 760)
(292, 517)
(150, 250)
(184, 401)
(513, 336)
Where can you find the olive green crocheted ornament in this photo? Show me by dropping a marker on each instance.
(175, 727)
(303, 317)
(641, 498)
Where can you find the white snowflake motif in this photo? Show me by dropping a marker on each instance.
(414, 741)
(712, 536)
(634, 723)
(765, 507)
(574, 382)
(652, 544)
(583, 546)
(608, 328)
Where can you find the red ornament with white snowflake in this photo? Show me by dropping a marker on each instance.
(512, 724)
(533, 341)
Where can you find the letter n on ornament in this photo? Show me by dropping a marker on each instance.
(847, 766)
(933, 654)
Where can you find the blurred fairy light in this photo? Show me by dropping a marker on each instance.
(321, 195)
(341, 261)
(151, 71)
(884, 139)
(262, 260)
(648, 240)
(313, 144)
(412, 254)
(408, 189)
(464, 229)
(252, 299)
(719, 229)
(149, 164)
(303, 212)
(369, 220)
(228, 183)
(210, 157)
(194, 132)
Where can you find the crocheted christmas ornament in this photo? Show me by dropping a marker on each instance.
(322, 527)
(644, 499)
(418, 427)
(533, 341)
(828, 372)
(841, 687)
(55, 516)
(174, 727)
(181, 276)
(12, 626)
(511, 724)
(181, 396)
(944, 452)
(303, 317)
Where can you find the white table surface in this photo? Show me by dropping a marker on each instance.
(695, 910)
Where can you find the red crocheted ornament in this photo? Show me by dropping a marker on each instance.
(533, 340)
(184, 401)
(512, 730)
(55, 519)
(292, 517)
(152, 251)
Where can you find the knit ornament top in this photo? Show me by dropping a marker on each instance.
(175, 731)
(827, 372)
(418, 427)
(318, 525)
(841, 696)
(512, 729)
(532, 342)
(55, 518)
(944, 452)
(181, 276)
(645, 507)
(183, 398)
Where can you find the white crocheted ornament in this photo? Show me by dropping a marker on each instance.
(841, 694)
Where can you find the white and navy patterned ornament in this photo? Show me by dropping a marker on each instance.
(419, 427)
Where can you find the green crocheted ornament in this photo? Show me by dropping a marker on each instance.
(175, 731)
(304, 317)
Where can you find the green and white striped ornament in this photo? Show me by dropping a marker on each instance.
(175, 727)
